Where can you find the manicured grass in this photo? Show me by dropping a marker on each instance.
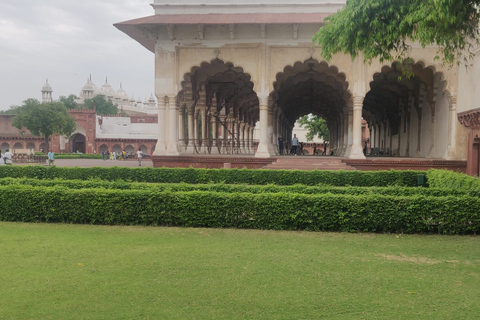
(51, 271)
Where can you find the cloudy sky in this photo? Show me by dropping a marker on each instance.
(66, 41)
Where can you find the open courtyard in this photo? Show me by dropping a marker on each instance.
(61, 271)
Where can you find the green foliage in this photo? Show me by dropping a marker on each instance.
(277, 211)
(44, 119)
(69, 101)
(78, 156)
(454, 180)
(228, 176)
(382, 28)
(101, 105)
(316, 126)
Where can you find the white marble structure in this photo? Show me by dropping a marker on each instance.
(221, 66)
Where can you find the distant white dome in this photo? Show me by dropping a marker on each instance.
(89, 86)
(46, 87)
(107, 90)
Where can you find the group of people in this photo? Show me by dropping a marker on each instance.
(107, 155)
(6, 157)
(297, 147)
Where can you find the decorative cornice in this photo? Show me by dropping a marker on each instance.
(470, 119)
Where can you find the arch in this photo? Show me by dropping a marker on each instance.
(31, 146)
(117, 149)
(103, 148)
(144, 149)
(219, 100)
(18, 145)
(404, 113)
(77, 143)
(129, 149)
(4, 146)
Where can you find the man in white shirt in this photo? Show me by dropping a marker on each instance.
(7, 157)
(139, 157)
(294, 144)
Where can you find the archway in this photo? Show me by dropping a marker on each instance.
(18, 145)
(407, 116)
(31, 146)
(5, 146)
(218, 110)
(311, 87)
(77, 143)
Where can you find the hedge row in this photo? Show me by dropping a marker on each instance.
(230, 188)
(228, 176)
(277, 211)
(454, 180)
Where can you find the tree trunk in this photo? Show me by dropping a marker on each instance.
(47, 144)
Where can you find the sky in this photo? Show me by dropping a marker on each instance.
(66, 41)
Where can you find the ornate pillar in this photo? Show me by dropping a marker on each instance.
(160, 148)
(452, 128)
(172, 138)
(356, 151)
(431, 153)
(263, 150)
(191, 130)
(181, 128)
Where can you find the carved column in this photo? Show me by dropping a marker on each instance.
(263, 150)
(160, 148)
(356, 151)
(431, 153)
(172, 138)
(452, 129)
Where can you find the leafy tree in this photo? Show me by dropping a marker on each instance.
(44, 119)
(69, 101)
(101, 105)
(11, 110)
(382, 29)
(316, 126)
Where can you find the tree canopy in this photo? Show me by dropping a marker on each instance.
(44, 119)
(102, 106)
(316, 126)
(384, 29)
(69, 101)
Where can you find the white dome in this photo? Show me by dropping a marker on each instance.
(107, 90)
(46, 87)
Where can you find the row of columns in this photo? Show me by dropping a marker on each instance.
(223, 134)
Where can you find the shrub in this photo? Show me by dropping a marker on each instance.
(454, 180)
(228, 176)
(278, 211)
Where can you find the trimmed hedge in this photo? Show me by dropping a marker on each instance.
(454, 180)
(228, 176)
(277, 211)
(229, 188)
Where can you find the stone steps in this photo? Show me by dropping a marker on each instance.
(308, 163)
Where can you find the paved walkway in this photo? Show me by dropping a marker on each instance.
(95, 163)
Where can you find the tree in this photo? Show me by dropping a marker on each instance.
(316, 126)
(44, 119)
(382, 29)
(69, 101)
(102, 106)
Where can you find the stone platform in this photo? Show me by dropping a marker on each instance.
(306, 163)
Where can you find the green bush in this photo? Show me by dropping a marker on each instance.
(454, 180)
(77, 156)
(278, 211)
(231, 188)
(228, 176)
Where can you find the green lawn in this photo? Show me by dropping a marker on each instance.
(51, 271)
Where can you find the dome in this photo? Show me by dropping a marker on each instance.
(107, 90)
(46, 87)
(89, 86)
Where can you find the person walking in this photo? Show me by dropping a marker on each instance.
(280, 145)
(139, 157)
(51, 158)
(294, 144)
(7, 157)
